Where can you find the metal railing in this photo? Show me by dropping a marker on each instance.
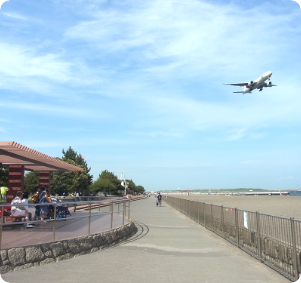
(87, 217)
(275, 241)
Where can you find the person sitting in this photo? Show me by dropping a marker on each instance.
(36, 199)
(25, 205)
(18, 210)
(43, 208)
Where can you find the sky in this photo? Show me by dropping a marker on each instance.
(136, 86)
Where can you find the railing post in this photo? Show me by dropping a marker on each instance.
(211, 218)
(123, 212)
(199, 212)
(129, 210)
(2, 212)
(111, 215)
(222, 220)
(54, 222)
(294, 249)
(118, 208)
(204, 216)
(89, 226)
(236, 226)
(258, 235)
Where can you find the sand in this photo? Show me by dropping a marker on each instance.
(285, 206)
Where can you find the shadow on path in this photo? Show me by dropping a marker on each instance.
(141, 232)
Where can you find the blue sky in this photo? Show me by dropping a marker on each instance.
(137, 87)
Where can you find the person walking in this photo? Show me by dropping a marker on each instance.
(159, 198)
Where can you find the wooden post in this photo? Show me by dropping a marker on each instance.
(44, 180)
(15, 181)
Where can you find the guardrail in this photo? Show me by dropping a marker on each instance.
(275, 241)
(95, 215)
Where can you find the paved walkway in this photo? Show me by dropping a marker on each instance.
(169, 247)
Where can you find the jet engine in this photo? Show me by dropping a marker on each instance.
(250, 83)
(268, 84)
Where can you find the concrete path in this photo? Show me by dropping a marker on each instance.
(169, 247)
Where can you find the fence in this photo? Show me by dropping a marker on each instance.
(275, 241)
(87, 217)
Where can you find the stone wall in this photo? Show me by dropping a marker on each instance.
(26, 257)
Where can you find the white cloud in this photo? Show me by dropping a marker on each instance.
(48, 109)
(19, 62)
(187, 38)
(157, 134)
(15, 16)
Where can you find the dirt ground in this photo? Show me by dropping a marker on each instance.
(285, 206)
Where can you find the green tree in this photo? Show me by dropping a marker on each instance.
(106, 182)
(103, 185)
(131, 185)
(31, 182)
(72, 182)
(134, 188)
(140, 189)
(3, 176)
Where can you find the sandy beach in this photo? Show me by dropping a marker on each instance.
(285, 206)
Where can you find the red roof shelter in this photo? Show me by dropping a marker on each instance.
(20, 158)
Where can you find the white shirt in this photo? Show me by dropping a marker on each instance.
(15, 203)
(25, 201)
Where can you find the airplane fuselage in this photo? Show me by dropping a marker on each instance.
(260, 82)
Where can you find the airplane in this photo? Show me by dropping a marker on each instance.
(257, 84)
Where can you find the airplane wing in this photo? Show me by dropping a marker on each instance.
(238, 92)
(238, 84)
